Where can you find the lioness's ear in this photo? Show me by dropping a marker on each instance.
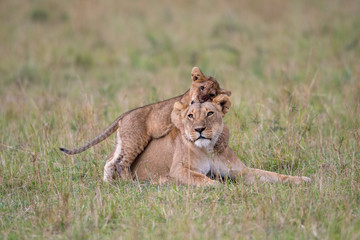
(223, 101)
(196, 74)
(176, 114)
(224, 91)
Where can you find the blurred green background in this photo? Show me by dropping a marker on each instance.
(69, 68)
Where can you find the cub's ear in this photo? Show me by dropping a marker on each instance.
(196, 74)
(177, 113)
(223, 101)
(224, 91)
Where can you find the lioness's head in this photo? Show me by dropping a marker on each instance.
(201, 123)
(204, 88)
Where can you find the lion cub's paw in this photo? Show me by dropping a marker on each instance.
(125, 174)
(301, 180)
(306, 179)
(212, 183)
(109, 173)
(108, 179)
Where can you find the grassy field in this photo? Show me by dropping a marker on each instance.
(68, 68)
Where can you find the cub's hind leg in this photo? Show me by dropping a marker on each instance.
(136, 131)
(110, 166)
(125, 152)
(132, 145)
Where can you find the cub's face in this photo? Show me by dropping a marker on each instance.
(203, 123)
(204, 88)
(203, 91)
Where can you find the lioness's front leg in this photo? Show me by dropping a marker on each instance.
(187, 176)
(250, 175)
(230, 165)
(181, 171)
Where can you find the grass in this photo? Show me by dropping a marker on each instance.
(67, 69)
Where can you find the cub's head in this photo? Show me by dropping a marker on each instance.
(204, 88)
(201, 123)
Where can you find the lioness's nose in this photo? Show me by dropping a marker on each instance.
(199, 130)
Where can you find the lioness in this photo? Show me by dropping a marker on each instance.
(137, 127)
(187, 153)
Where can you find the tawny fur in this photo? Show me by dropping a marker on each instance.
(177, 156)
(137, 127)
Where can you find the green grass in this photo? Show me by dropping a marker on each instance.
(68, 69)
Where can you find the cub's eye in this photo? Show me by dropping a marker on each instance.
(202, 88)
(212, 95)
(190, 116)
(209, 114)
(192, 102)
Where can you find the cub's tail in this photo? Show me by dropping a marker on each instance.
(105, 134)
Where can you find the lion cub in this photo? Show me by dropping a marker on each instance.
(137, 127)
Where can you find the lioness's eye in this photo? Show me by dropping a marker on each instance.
(190, 116)
(202, 88)
(209, 114)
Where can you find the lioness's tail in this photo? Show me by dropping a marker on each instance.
(108, 131)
